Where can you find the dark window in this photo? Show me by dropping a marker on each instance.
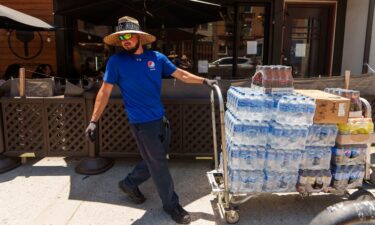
(241, 61)
(226, 61)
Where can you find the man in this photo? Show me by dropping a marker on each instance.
(138, 73)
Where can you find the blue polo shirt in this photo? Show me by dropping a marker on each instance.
(139, 78)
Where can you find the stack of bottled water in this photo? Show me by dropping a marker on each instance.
(295, 110)
(265, 144)
(348, 166)
(316, 158)
(313, 180)
(314, 174)
(347, 176)
(281, 170)
(246, 103)
(322, 135)
(285, 136)
(245, 132)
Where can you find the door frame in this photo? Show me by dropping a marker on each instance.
(332, 25)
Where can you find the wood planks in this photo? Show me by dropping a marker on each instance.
(42, 9)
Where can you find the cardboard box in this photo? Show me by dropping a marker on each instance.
(329, 108)
(355, 139)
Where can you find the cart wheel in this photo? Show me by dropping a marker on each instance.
(362, 195)
(232, 216)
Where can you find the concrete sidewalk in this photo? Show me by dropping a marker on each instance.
(48, 191)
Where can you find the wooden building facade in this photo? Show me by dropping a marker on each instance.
(29, 49)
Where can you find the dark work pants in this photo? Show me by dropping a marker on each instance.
(153, 140)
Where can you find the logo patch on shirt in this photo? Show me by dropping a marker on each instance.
(151, 65)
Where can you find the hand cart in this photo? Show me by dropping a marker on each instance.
(228, 203)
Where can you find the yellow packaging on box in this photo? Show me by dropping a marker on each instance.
(357, 126)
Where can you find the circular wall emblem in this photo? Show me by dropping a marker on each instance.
(25, 44)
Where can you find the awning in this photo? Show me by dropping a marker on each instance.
(152, 13)
(13, 19)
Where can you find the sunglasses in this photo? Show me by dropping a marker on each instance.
(125, 37)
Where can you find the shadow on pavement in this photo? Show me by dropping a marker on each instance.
(190, 183)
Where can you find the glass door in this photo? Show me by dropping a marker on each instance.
(252, 30)
(307, 39)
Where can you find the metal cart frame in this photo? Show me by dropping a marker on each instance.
(218, 178)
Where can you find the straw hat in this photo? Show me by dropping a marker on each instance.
(128, 24)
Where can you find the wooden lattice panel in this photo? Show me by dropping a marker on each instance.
(173, 112)
(115, 134)
(197, 126)
(66, 127)
(23, 126)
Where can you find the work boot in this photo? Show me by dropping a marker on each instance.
(134, 194)
(179, 215)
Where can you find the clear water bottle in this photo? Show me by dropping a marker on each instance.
(261, 157)
(276, 134)
(256, 179)
(295, 161)
(271, 156)
(234, 180)
(230, 95)
(327, 155)
(268, 108)
(313, 158)
(310, 111)
(255, 107)
(283, 183)
(282, 111)
(271, 180)
(249, 159)
(234, 157)
(303, 163)
(301, 111)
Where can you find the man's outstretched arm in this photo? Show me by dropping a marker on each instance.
(101, 102)
(190, 78)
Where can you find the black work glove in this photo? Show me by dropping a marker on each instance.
(210, 83)
(91, 131)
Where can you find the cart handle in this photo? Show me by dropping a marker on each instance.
(215, 88)
(368, 114)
